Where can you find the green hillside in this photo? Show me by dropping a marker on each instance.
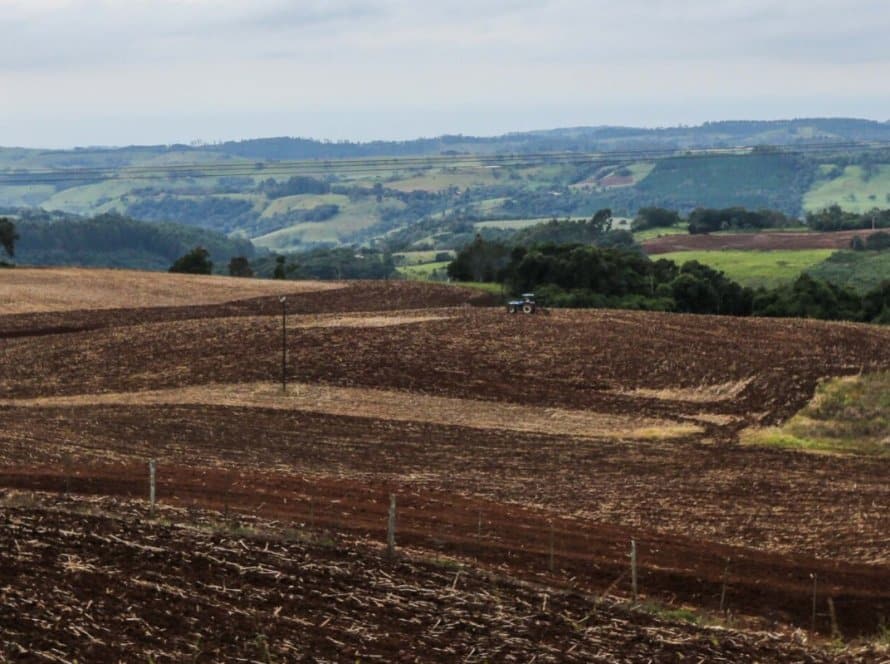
(854, 188)
(293, 194)
(860, 270)
(114, 241)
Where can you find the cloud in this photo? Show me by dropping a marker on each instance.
(230, 58)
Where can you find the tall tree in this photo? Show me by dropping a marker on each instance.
(197, 261)
(8, 236)
(239, 266)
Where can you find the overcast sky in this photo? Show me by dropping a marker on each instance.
(91, 72)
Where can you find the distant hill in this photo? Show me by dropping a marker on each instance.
(294, 194)
(111, 240)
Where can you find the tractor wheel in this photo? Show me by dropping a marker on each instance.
(511, 309)
(528, 308)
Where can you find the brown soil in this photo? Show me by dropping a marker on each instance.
(27, 290)
(475, 489)
(387, 405)
(761, 241)
(109, 585)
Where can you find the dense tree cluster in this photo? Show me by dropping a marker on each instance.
(655, 217)
(576, 275)
(197, 261)
(879, 241)
(328, 263)
(239, 266)
(295, 186)
(223, 214)
(833, 218)
(704, 220)
(112, 240)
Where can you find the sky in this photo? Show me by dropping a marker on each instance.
(121, 72)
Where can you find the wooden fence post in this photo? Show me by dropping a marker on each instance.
(633, 568)
(723, 589)
(551, 546)
(835, 632)
(391, 527)
(152, 466)
(813, 617)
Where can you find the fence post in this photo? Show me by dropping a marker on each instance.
(152, 465)
(835, 632)
(723, 589)
(633, 568)
(813, 617)
(391, 527)
(551, 546)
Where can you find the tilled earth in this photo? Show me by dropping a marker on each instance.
(711, 519)
(770, 241)
(101, 582)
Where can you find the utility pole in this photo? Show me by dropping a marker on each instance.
(283, 301)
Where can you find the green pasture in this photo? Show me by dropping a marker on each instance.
(441, 179)
(754, 268)
(354, 216)
(652, 233)
(854, 190)
(418, 258)
(286, 204)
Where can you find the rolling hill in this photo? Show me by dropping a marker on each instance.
(291, 194)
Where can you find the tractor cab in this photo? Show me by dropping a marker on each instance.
(526, 305)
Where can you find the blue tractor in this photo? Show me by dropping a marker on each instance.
(526, 305)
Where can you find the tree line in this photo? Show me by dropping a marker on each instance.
(110, 240)
(576, 275)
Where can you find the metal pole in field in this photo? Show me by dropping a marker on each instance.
(633, 568)
(283, 301)
(152, 466)
(391, 526)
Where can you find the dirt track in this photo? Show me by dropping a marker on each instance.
(691, 502)
(759, 241)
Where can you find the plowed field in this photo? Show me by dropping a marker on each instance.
(759, 241)
(531, 447)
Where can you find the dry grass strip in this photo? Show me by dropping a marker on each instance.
(33, 290)
(389, 405)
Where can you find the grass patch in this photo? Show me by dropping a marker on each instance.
(860, 270)
(846, 416)
(440, 179)
(755, 268)
(354, 216)
(510, 224)
(420, 257)
(425, 271)
(672, 614)
(652, 233)
(854, 190)
(494, 289)
(303, 202)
